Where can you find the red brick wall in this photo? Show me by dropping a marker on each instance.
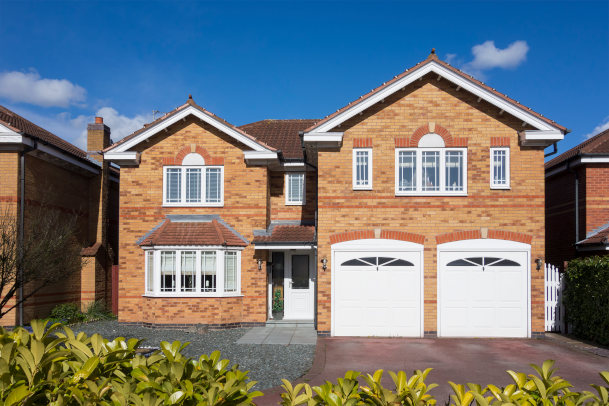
(280, 211)
(597, 196)
(342, 209)
(245, 209)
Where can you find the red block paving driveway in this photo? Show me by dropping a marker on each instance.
(480, 361)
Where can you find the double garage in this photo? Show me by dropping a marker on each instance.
(482, 285)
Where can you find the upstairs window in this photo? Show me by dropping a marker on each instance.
(500, 168)
(362, 168)
(193, 183)
(431, 169)
(295, 188)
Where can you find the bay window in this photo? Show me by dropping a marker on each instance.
(193, 186)
(192, 272)
(431, 171)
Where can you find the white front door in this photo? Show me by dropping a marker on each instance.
(483, 294)
(299, 286)
(377, 293)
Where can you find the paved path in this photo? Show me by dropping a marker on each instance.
(480, 361)
(280, 335)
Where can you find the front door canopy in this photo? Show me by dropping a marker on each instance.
(545, 131)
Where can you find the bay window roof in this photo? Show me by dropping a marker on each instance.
(193, 230)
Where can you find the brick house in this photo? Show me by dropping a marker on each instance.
(40, 169)
(416, 210)
(577, 212)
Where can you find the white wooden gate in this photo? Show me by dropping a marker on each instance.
(555, 312)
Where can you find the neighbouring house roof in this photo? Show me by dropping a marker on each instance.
(280, 134)
(597, 145)
(433, 59)
(190, 104)
(20, 124)
(600, 236)
(283, 233)
(193, 230)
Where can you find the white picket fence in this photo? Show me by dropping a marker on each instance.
(555, 311)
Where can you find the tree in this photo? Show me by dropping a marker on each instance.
(49, 253)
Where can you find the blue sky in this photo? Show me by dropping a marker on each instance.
(64, 62)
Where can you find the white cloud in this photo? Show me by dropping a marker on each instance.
(120, 125)
(488, 56)
(31, 88)
(604, 125)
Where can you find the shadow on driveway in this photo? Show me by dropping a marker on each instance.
(481, 361)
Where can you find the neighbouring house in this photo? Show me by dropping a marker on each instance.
(416, 210)
(40, 169)
(577, 201)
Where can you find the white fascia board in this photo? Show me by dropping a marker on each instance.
(535, 138)
(125, 158)
(283, 247)
(293, 164)
(587, 159)
(584, 159)
(254, 155)
(333, 139)
(181, 115)
(447, 74)
(598, 247)
(14, 139)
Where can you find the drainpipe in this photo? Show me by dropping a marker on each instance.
(574, 172)
(554, 150)
(316, 276)
(21, 225)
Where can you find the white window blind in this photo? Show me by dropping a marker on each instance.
(208, 271)
(168, 271)
(230, 271)
(295, 188)
(188, 271)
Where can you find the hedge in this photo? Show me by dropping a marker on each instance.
(586, 298)
(54, 366)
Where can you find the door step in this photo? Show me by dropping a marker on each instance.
(289, 323)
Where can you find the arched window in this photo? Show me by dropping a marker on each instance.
(431, 168)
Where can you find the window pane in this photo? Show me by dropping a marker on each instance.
(213, 185)
(362, 162)
(168, 271)
(149, 271)
(295, 187)
(208, 271)
(188, 271)
(230, 272)
(407, 171)
(499, 167)
(193, 185)
(454, 170)
(300, 272)
(431, 171)
(174, 185)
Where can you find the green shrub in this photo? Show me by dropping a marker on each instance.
(586, 298)
(67, 312)
(545, 388)
(97, 311)
(54, 366)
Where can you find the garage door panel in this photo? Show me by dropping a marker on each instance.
(380, 299)
(483, 294)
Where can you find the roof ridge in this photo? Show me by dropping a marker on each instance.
(219, 231)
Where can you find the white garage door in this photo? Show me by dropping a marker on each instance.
(483, 294)
(377, 293)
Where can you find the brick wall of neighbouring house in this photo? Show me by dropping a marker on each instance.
(520, 209)
(280, 211)
(245, 209)
(560, 215)
(597, 196)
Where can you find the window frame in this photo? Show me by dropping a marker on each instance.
(203, 186)
(286, 188)
(419, 173)
(367, 186)
(507, 184)
(220, 274)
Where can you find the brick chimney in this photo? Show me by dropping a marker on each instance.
(98, 138)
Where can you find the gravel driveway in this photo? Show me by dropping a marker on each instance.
(267, 363)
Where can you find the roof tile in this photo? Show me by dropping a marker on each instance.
(281, 134)
(599, 144)
(193, 233)
(288, 234)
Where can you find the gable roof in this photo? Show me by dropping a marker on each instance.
(188, 108)
(597, 145)
(20, 124)
(281, 134)
(432, 63)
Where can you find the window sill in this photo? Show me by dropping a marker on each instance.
(501, 187)
(446, 194)
(294, 204)
(193, 204)
(195, 295)
(362, 187)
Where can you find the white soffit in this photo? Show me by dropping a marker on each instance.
(149, 132)
(465, 84)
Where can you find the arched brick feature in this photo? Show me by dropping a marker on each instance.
(438, 129)
(475, 234)
(384, 234)
(197, 149)
(500, 141)
(362, 143)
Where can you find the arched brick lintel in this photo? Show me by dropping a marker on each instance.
(476, 234)
(371, 234)
(424, 129)
(197, 149)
